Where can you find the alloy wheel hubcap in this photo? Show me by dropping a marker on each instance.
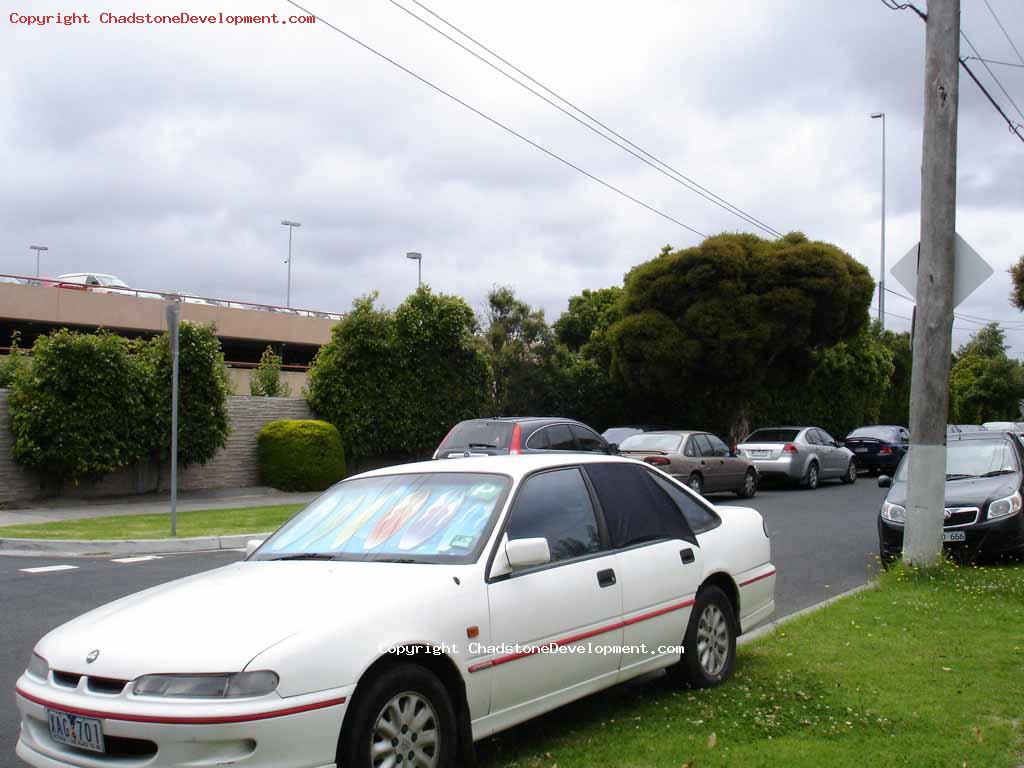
(406, 734)
(712, 640)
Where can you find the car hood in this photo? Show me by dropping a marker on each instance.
(218, 621)
(975, 492)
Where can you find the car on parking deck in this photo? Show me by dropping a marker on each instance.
(404, 614)
(984, 483)
(520, 434)
(878, 448)
(804, 455)
(699, 459)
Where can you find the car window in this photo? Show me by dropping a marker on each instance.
(811, 436)
(691, 449)
(772, 436)
(651, 441)
(634, 507)
(560, 438)
(824, 437)
(556, 506)
(703, 446)
(904, 436)
(539, 440)
(888, 434)
(718, 448)
(478, 434)
(699, 517)
(587, 440)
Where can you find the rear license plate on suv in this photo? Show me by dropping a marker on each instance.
(954, 536)
(75, 731)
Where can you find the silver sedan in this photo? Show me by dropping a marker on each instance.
(804, 455)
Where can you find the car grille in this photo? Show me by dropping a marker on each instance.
(955, 517)
(106, 685)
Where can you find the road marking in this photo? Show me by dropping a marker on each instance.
(139, 559)
(48, 568)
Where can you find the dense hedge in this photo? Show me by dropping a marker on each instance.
(300, 455)
(87, 404)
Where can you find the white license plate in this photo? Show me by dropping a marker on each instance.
(860, 450)
(954, 536)
(75, 731)
(759, 454)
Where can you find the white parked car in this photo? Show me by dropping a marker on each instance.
(101, 283)
(404, 614)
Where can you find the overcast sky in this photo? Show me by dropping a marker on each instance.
(168, 154)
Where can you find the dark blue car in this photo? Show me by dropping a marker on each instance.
(878, 449)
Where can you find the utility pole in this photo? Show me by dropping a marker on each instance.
(288, 294)
(173, 312)
(881, 272)
(933, 317)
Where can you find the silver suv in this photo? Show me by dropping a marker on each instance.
(804, 455)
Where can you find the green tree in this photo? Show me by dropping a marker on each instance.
(1017, 278)
(203, 391)
(707, 328)
(590, 312)
(895, 408)
(518, 341)
(985, 389)
(79, 408)
(13, 363)
(266, 379)
(988, 341)
(395, 382)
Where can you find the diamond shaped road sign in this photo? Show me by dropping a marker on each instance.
(970, 271)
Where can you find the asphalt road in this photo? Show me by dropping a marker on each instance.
(823, 542)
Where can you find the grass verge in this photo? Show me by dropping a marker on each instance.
(928, 670)
(203, 522)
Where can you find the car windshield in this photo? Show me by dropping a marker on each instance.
(773, 436)
(973, 458)
(651, 441)
(619, 434)
(877, 433)
(479, 434)
(425, 517)
(109, 281)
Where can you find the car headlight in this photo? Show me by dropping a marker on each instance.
(232, 686)
(894, 513)
(1006, 506)
(38, 667)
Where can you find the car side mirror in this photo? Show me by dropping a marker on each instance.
(251, 546)
(884, 481)
(522, 553)
(613, 448)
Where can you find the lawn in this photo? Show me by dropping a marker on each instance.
(204, 522)
(927, 670)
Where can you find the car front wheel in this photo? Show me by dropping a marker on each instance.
(709, 647)
(403, 719)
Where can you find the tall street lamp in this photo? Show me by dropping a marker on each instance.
(291, 225)
(418, 258)
(881, 281)
(37, 249)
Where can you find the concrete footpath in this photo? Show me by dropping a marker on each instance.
(55, 510)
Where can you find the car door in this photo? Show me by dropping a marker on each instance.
(833, 457)
(570, 604)
(733, 469)
(659, 562)
(711, 466)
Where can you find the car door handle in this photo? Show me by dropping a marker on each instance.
(606, 578)
(687, 556)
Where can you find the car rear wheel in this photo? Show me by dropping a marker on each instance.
(749, 487)
(851, 473)
(812, 478)
(404, 719)
(709, 647)
(696, 482)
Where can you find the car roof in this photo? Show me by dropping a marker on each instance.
(513, 466)
(760, 429)
(992, 434)
(680, 432)
(525, 419)
(94, 274)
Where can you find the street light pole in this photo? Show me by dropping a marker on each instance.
(291, 225)
(37, 249)
(418, 258)
(881, 277)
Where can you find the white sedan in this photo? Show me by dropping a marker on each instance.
(403, 615)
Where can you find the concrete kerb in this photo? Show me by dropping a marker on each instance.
(769, 628)
(75, 548)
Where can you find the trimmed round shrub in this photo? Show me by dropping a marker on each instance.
(300, 455)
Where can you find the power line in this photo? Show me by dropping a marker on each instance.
(994, 61)
(494, 121)
(993, 75)
(1015, 128)
(659, 165)
(1009, 325)
(1007, 34)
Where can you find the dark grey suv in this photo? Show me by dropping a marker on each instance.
(520, 434)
